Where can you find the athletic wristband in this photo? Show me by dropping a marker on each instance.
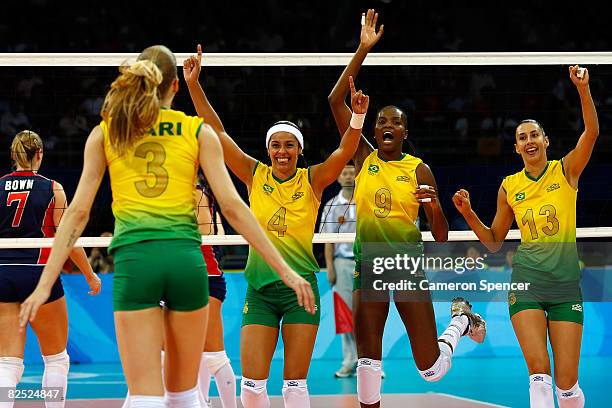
(357, 120)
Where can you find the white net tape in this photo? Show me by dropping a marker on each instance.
(316, 59)
(88, 242)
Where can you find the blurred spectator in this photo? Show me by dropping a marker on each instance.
(339, 216)
(101, 262)
(509, 256)
(14, 120)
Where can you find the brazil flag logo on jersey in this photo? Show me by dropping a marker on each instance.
(268, 189)
(519, 196)
(373, 169)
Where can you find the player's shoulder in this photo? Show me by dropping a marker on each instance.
(556, 166)
(177, 115)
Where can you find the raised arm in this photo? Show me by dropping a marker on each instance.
(337, 98)
(241, 218)
(576, 160)
(70, 228)
(241, 164)
(77, 255)
(493, 237)
(325, 173)
(427, 195)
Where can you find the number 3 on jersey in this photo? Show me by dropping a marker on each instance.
(277, 222)
(155, 154)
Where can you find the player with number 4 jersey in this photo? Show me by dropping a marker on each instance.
(277, 205)
(285, 200)
(542, 199)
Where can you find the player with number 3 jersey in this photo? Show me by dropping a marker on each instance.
(153, 153)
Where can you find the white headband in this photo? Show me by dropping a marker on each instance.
(283, 127)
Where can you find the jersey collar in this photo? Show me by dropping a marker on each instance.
(281, 181)
(400, 159)
(541, 174)
(23, 173)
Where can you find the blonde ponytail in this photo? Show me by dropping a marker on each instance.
(132, 105)
(24, 147)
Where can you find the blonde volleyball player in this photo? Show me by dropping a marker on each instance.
(214, 358)
(542, 200)
(285, 200)
(34, 207)
(389, 188)
(152, 153)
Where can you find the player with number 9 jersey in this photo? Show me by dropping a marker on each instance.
(386, 204)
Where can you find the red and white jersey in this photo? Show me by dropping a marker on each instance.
(26, 211)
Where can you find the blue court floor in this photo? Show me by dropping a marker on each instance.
(502, 381)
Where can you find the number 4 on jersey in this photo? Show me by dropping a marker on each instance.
(277, 222)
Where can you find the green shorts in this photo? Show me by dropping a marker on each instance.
(555, 311)
(275, 302)
(148, 272)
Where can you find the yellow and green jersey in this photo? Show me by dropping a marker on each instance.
(153, 183)
(287, 212)
(545, 212)
(386, 205)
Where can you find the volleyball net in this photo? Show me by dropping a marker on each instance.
(462, 111)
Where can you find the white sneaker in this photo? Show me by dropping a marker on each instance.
(477, 327)
(345, 372)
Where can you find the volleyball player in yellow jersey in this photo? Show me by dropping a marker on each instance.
(389, 188)
(152, 153)
(542, 200)
(285, 200)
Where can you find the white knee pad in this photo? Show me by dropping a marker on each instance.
(295, 394)
(216, 360)
(540, 391)
(572, 398)
(253, 393)
(58, 364)
(11, 370)
(56, 375)
(441, 366)
(369, 377)
(184, 399)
